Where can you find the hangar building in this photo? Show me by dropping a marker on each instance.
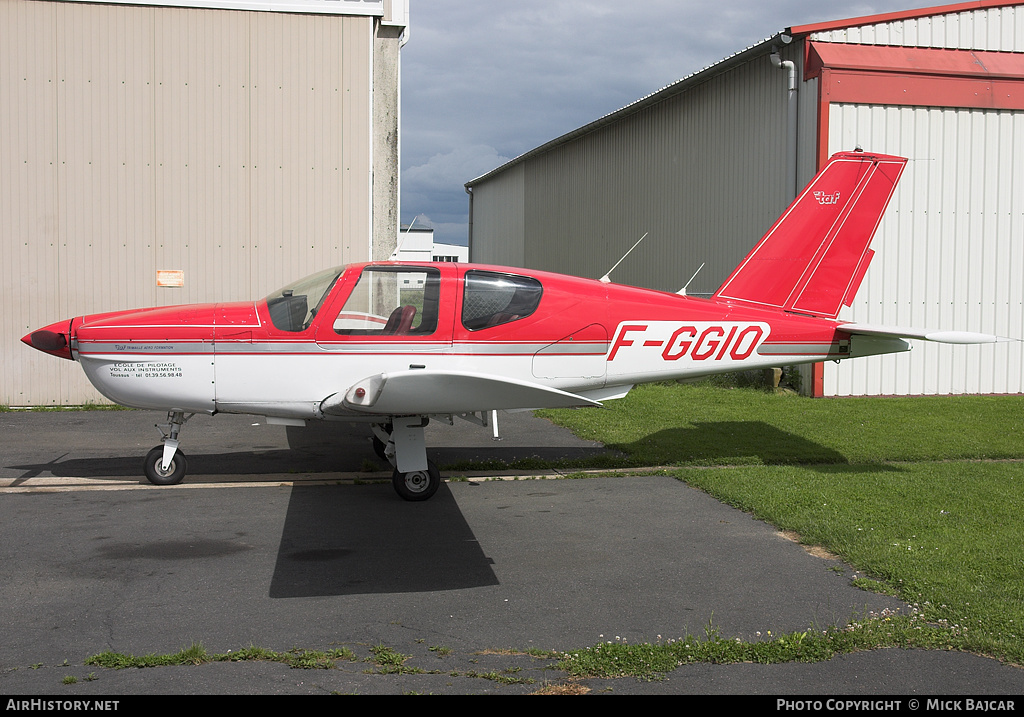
(705, 166)
(180, 151)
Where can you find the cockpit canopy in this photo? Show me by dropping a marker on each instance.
(395, 299)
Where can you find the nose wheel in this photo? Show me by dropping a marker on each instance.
(165, 464)
(157, 474)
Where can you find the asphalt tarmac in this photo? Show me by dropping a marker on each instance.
(288, 538)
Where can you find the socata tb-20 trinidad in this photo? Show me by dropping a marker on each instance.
(395, 344)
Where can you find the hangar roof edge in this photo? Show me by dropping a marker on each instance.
(803, 30)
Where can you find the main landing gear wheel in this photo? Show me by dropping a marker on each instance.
(417, 485)
(155, 473)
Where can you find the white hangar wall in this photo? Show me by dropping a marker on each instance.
(950, 251)
(701, 166)
(237, 147)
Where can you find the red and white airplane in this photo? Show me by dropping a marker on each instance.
(395, 344)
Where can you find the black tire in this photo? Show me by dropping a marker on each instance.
(174, 473)
(417, 485)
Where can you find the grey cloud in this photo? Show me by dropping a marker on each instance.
(484, 82)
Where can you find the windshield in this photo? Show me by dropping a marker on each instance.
(293, 307)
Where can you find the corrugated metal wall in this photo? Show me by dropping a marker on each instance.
(234, 146)
(702, 173)
(950, 251)
(498, 214)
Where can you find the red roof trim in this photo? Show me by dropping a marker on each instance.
(913, 60)
(923, 91)
(922, 77)
(801, 30)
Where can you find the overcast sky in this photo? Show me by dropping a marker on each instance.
(483, 82)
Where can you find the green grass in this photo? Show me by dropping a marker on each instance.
(679, 424)
(386, 661)
(196, 654)
(944, 536)
(650, 661)
(391, 662)
(924, 495)
(78, 407)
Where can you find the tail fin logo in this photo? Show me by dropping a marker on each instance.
(826, 199)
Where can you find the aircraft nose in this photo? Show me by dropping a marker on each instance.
(53, 339)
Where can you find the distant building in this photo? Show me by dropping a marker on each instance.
(705, 165)
(182, 151)
(417, 244)
(450, 252)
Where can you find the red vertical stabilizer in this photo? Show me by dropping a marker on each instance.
(813, 259)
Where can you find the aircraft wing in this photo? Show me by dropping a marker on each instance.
(423, 392)
(945, 337)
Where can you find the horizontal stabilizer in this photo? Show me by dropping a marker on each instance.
(423, 392)
(945, 337)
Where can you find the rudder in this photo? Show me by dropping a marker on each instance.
(814, 257)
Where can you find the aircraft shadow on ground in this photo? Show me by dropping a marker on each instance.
(445, 445)
(317, 448)
(332, 449)
(340, 540)
(278, 462)
(254, 463)
(725, 442)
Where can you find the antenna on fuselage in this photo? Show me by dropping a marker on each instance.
(682, 292)
(605, 279)
(394, 254)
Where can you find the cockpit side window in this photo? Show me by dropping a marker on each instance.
(388, 301)
(491, 298)
(293, 307)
